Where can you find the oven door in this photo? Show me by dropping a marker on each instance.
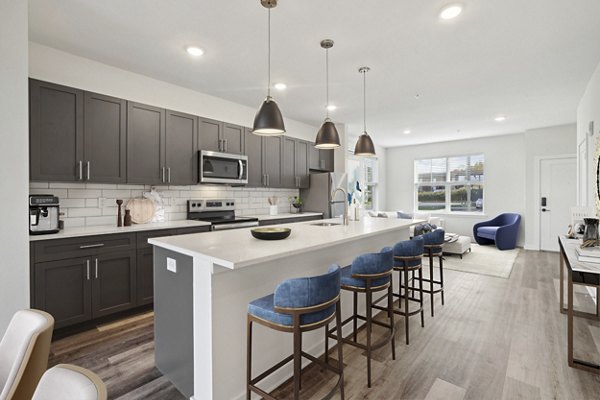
(223, 168)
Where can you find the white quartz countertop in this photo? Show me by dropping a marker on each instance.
(570, 246)
(108, 230)
(285, 216)
(238, 248)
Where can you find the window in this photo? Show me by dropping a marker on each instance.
(450, 184)
(363, 180)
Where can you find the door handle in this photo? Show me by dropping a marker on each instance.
(224, 145)
(88, 164)
(80, 170)
(169, 174)
(87, 265)
(96, 268)
(163, 174)
(545, 210)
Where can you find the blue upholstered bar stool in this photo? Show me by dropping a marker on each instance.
(298, 305)
(368, 273)
(408, 257)
(433, 242)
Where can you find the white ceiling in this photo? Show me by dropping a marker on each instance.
(529, 60)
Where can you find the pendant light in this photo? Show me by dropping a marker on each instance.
(268, 120)
(364, 144)
(327, 137)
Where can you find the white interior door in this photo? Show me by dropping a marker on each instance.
(558, 186)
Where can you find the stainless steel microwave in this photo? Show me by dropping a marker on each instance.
(224, 168)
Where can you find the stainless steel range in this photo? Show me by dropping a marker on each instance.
(219, 212)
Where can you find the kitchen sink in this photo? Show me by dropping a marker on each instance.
(326, 224)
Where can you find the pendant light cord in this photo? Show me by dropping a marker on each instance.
(364, 101)
(327, 81)
(269, 57)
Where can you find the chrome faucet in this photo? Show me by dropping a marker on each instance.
(345, 216)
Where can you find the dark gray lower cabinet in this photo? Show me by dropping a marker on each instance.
(299, 218)
(63, 289)
(113, 283)
(145, 277)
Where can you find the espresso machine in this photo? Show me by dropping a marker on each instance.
(43, 214)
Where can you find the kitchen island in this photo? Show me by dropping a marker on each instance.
(203, 283)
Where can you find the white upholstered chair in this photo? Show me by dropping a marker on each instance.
(24, 350)
(69, 382)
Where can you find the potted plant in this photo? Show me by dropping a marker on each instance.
(296, 202)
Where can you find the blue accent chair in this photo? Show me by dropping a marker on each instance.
(502, 230)
(368, 274)
(298, 305)
(408, 257)
(433, 243)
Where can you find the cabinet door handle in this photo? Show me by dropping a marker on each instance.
(169, 174)
(163, 175)
(88, 165)
(87, 265)
(80, 170)
(224, 145)
(268, 180)
(91, 246)
(96, 268)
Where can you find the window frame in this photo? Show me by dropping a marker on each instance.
(448, 184)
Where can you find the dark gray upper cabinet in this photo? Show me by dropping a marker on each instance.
(320, 159)
(145, 133)
(210, 134)
(302, 149)
(105, 139)
(181, 149)
(289, 178)
(233, 139)
(326, 159)
(220, 136)
(253, 149)
(271, 160)
(56, 132)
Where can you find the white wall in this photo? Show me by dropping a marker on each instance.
(549, 141)
(382, 178)
(509, 174)
(49, 64)
(504, 189)
(14, 170)
(589, 110)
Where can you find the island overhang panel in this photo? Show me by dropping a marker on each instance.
(230, 269)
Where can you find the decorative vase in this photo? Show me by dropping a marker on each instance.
(298, 207)
(591, 229)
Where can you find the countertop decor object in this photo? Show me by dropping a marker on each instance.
(142, 210)
(127, 219)
(268, 120)
(271, 233)
(119, 216)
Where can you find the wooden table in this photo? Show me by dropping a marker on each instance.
(578, 273)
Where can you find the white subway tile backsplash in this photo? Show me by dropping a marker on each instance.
(100, 186)
(83, 194)
(87, 204)
(65, 185)
(68, 203)
(117, 194)
(38, 185)
(83, 212)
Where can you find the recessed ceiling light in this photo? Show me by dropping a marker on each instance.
(451, 11)
(406, 132)
(332, 107)
(194, 51)
(500, 118)
(280, 86)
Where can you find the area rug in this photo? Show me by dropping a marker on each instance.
(483, 260)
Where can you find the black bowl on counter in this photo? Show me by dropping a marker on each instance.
(271, 233)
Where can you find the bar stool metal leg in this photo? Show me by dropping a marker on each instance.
(431, 281)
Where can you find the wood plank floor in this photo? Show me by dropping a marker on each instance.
(494, 339)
